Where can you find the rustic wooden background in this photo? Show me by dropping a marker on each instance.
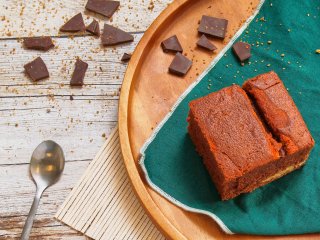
(31, 113)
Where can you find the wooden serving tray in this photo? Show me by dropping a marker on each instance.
(148, 93)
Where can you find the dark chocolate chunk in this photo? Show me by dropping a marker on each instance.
(103, 7)
(214, 27)
(206, 44)
(180, 65)
(171, 44)
(38, 43)
(75, 24)
(36, 69)
(113, 36)
(94, 28)
(126, 57)
(79, 73)
(242, 50)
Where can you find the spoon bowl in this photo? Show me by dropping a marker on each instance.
(46, 167)
(47, 163)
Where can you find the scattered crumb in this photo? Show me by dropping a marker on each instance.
(262, 19)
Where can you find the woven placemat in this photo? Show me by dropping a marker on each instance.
(103, 205)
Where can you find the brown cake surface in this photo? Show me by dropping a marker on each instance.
(279, 111)
(237, 148)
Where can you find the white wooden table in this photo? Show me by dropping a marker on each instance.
(33, 112)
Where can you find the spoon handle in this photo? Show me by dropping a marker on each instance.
(28, 225)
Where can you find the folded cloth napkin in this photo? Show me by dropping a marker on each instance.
(284, 36)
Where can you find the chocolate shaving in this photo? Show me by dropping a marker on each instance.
(206, 44)
(79, 73)
(180, 65)
(126, 57)
(38, 43)
(113, 36)
(36, 69)
(214, 27)
(172, 44)
(103, 7)
(94, 28)
(75, 24)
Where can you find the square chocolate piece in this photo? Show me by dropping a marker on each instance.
(94, 28)
(204, 43)
(214, 27)
(74, 24)
(180, 65)
(104, 7)
(113, 36)
(172, 44)
(37, 69)
(38, 43)
(79, 73)
(242, 51)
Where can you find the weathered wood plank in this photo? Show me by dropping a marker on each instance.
(16, 193)
(104, 67)
(78, 126)
(21, 18)
(107, 91)
(74, 124)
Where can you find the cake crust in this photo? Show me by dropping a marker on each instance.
(238, 134)
(279, 111)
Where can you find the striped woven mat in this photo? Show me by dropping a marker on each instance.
(103, 205)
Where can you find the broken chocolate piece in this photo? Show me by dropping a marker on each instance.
(38, 43)
(171, 44)
(94, 28)
(126, 57)
(214, 27)
(75, 24)
(79, 73)
(242, 50)
(180, 65)
(103, 7)
(206, 44)
(113, 36)
(36, 69)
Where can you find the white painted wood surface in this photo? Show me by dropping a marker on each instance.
(31, 113)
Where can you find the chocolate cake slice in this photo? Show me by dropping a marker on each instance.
(282, 116)
(241, 146)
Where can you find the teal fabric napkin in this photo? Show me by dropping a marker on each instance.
(284, 36)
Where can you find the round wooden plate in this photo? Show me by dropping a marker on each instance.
(148, 92)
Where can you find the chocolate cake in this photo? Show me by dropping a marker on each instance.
(249, 137)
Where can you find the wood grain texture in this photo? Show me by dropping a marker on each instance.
(17, 192)
(22, 18)
(30, 113)
(43, 110)
(149, 92)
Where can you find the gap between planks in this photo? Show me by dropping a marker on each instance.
(24, 18)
